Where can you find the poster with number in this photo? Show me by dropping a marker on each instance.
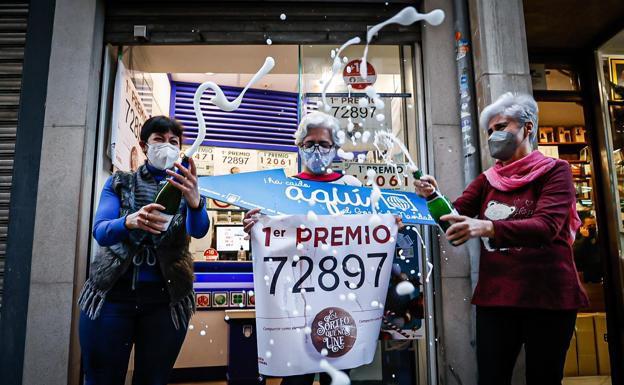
(364, 118)
(386, 177)
(204, 159)
(278, 159)
(234, 160)
(320, 286)
(128, 117)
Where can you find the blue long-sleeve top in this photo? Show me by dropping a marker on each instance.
(109, 228)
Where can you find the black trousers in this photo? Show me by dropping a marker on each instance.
(501, 332)
(308, 379)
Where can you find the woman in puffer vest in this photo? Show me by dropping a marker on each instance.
(140, 287)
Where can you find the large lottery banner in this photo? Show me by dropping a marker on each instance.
(320, 286)
(274, 193)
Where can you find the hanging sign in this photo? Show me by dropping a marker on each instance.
(386, 177)
(353, 76)
(320, 286)
(128, 117)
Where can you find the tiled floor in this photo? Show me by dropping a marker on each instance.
(590, 380)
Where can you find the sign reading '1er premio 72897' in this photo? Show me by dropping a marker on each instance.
(320, 287)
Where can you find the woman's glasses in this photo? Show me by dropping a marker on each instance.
(323, 147)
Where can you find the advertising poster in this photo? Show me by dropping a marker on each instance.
(128, 117)
(386, 177)
(320, 286)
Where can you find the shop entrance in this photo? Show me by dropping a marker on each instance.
(161, 80)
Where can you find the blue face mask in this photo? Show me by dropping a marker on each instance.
(316, 162)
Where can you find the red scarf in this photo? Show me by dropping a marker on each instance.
(524, 171)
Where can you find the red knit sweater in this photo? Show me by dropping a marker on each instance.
(529, 263)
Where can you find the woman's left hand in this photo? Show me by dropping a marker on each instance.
(463, 228)
(187, 183)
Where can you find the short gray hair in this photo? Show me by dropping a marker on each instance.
(318, 119)
(522, 108)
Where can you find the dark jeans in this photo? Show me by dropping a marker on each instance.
(308, 379)
(502, 331)
(106, 343)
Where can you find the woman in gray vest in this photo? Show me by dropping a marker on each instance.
(140, 287)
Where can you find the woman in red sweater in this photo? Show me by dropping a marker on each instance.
(524, 211)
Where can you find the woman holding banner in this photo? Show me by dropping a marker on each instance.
(524, 210)
(140, 286)
(318, 142)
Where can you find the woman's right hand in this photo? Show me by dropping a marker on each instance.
(250, 219)
(425, 186)
(148, 218)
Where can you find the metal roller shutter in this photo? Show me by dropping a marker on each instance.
(252, 22)
(265, 120)
(13, 20)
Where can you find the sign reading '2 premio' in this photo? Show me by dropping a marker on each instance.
(320, 288)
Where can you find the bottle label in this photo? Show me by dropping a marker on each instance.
(169, 217)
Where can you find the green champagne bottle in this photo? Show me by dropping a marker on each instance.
(169, 196)
(438, 205)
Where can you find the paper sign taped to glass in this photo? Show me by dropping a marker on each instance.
(276, 194)
(320, 287)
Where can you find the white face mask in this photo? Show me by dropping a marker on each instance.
(162, 155)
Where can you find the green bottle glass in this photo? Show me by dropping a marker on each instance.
(169, 196)
(438, 205)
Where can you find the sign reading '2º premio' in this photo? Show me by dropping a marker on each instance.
(320, 287)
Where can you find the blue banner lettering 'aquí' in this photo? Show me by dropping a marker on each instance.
(275, 194)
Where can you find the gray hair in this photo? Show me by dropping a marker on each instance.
(318, 119)
(522, 108)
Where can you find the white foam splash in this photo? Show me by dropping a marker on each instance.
(350, 125)
(312, 216)
(283, 16)
(336, 67)
(269, 41)
(375, 196)
(202, 333)
(341, 136)
(385, 141)
(345, 155)
(221, 101)
(370, 176)
(375, 303)
(338, 377)
(404, 288)
(363, 102)
(406, 16)
(351, 296)
(380, 117)
(430, 267)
